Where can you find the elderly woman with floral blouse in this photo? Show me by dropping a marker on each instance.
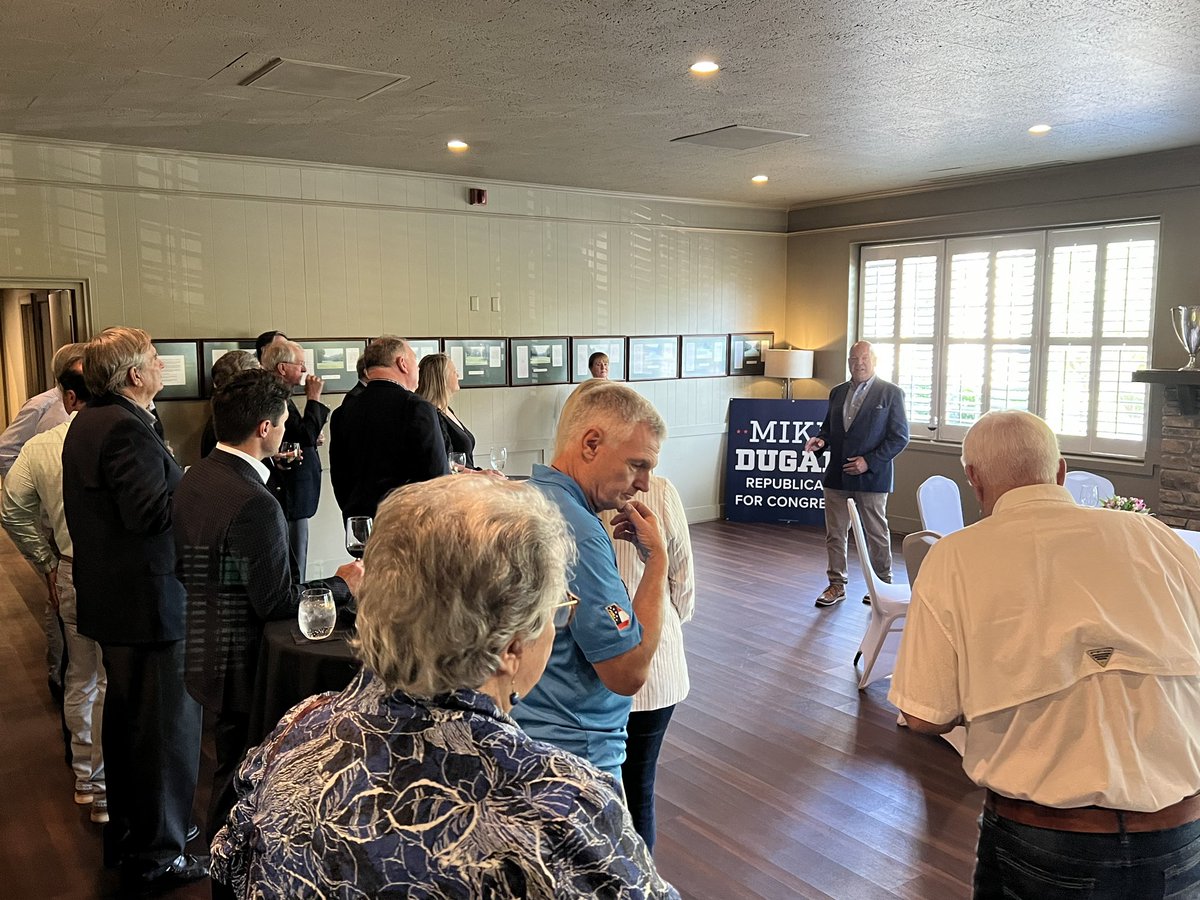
(414, 781)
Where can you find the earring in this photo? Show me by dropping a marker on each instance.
(514, 697)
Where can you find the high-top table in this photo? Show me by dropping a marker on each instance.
(291, 667)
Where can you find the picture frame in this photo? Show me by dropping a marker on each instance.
(539, 360)
(704, 356)
(653, 357)
(583, 347)
(335, 360)
(212, 349)
(481, 362)
(181, 370)
(746, 356)
(423, 347)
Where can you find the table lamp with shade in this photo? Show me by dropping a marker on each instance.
(789, 365)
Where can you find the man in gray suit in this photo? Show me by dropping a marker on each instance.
(231, 543)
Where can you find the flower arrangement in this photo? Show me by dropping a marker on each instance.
(1128, 504)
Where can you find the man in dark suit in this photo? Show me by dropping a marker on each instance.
(386, 438)
(231, 547)
(118, 478)
(297, 483)
(865, 429)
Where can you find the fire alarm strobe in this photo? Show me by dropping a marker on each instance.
(477, 196)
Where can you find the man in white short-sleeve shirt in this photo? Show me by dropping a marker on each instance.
(1066, 640)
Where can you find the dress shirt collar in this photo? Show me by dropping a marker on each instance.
(1032, 493)
(257, 464)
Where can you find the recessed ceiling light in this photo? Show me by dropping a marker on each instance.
(759, 179)
(704, 67)
(457, 146)
(1039, 129)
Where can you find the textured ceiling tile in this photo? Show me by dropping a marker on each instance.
(585, 93)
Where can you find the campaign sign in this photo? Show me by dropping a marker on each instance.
(768, 475)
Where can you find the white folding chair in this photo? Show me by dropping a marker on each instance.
(915, 546)
(940, 505)
(1192, 537)
(1088, 488)
(889, 606)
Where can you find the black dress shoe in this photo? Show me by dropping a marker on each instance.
(184, 869)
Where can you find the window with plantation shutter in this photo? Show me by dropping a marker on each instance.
(1051, 321)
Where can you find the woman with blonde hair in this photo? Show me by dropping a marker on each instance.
(438, 384)
(414, 780)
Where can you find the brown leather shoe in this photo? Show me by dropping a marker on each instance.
(832, 595)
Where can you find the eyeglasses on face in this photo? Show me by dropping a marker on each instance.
(564, 611)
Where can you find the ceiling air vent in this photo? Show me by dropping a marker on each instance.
(738, 137)
(292, 76)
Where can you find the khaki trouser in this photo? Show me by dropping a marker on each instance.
(872, 508)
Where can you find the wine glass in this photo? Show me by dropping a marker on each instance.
(317, 614)
(289, 454)
(358, 529)
(458, 462)
(499, 458)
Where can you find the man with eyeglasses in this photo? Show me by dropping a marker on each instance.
(297, 483)
(606, 447)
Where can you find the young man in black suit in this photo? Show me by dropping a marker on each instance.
(118, 477)
(231, 545)
(389, 436)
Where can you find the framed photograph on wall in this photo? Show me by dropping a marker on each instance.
(212, 350)
(481, 362)
(542, 360)
(425, 346)
(583, 347)
(653, 358)
(335, 360)
(704, 356)
(746, 356)
(181, 370)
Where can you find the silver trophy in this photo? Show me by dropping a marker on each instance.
(1186, 320)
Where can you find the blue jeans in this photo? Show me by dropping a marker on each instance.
(1020, 862)
(646, 731)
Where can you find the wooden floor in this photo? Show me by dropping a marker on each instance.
(778, 778)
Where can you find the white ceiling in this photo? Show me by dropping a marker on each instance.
(892, 93)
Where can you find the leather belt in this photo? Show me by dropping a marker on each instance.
(1093, 819)
(65, 558)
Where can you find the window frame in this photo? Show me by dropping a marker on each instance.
(1043, 241)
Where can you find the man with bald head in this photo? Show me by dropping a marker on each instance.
(388, 436)
(1066, 640)
(865, 429)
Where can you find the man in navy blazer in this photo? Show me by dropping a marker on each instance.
(118, 477)
(297, 485)
(231, 542)
(865, 429)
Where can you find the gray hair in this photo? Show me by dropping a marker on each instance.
(1012, 448)
(455, 570)
(616, 408)
(229, 364)
(383, 351)
(110, 355)
(281, 352)
(65, 357)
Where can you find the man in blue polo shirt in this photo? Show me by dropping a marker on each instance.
(606, 447)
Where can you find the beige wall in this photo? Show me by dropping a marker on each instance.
(822, 246)
(192, 246)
